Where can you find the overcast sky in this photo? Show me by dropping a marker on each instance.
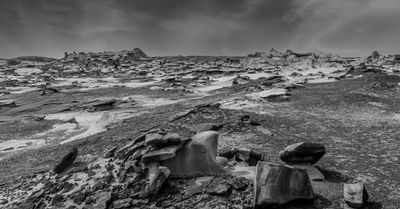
(198, 27)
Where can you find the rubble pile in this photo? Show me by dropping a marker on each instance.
(160, 169)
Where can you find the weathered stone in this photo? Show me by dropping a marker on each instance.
(313, 172)
(129, 149)
(152, 168)
(140, 202)
(157, 180)
(197, 157)
(103, 199)
(121, 175)
(198, 185)
(158, 140)
(132, 146)
(161, 154)
(7, 103)
(243, 154)
(153, 138)
(124, 203)
(102, 105)
(255, 156)
(303, 152)
(110, 152)
(219, 189)
(228, 153)
(238, 183)
(79, 197)
(269, 94)
(81, 168)
(355, 195)
(66, 161)
(275, 185)
(264, 131)
(207, 127)
(222, 161)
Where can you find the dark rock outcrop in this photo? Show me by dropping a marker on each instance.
(66, 161)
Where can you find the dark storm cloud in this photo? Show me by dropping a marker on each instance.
(218, 27)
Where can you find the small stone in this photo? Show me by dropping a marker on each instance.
(243, 154)
(79, 198)
(66, 161)
(219, 189)
(110, 152)
(102, 200)
(238, 183)
(56, 199)
(222, 161)
(196, 186)
(140, 202)
(3, 201)
(124, 203)
(355, 195)
(303, 152)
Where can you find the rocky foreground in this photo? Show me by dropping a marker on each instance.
(267, 130)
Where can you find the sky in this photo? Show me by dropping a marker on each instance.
(199, 27)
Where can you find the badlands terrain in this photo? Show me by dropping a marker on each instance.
(128, 130)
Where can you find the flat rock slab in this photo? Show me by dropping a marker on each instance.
(206, 127)
(197, 157)
(303, 152)
(355, 195)
(276, 185)
(159, 140)
(7, 103)
(103, 200)
(313, 172)
(161, 154)
(270, 93)
(198, 185)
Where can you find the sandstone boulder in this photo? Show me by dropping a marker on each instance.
(197, 157)
(276, 185)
